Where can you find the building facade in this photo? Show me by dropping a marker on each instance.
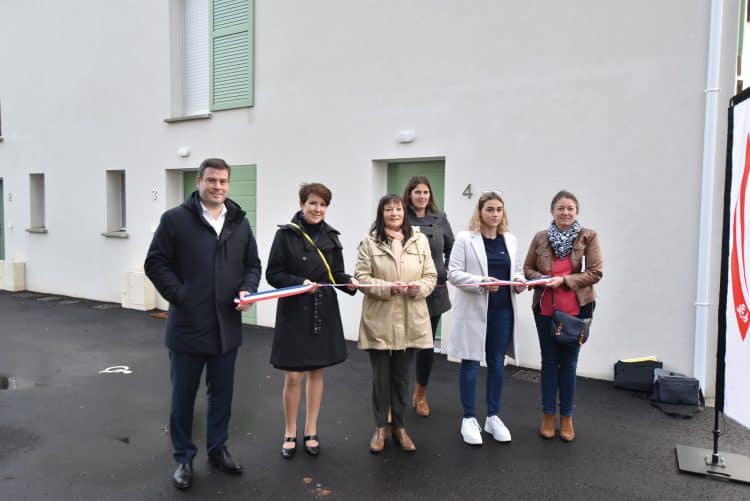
(107, 108)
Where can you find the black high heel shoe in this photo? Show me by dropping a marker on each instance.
(288, 453)
(313, 450)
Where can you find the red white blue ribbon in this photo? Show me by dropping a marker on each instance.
(274, 294)
(304, 288)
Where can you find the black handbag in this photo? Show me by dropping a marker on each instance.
(568, 329)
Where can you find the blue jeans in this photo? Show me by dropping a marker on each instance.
(499, 331)
(559, 363)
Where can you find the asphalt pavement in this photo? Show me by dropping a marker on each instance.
(69, 431)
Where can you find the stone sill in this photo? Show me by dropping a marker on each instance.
(187, 118)
(115, 234)
(37, 230)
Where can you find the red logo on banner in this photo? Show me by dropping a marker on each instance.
(738, 255)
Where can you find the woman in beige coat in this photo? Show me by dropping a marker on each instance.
(395, 320)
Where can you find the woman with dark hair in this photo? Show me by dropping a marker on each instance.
(421, 211)
(308, 335)
(395, 259)
(571, 255)
(484, 315)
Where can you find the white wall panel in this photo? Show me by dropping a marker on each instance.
(602, 98)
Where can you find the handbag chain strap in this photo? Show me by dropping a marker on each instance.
(320, 253)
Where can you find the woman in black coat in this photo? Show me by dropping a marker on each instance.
(423, 212)
(308, 335)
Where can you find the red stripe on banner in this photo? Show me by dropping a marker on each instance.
(739, 273)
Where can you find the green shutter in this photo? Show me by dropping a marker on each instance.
(232, 27)
(243, 190)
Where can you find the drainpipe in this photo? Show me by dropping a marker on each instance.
(707, 190)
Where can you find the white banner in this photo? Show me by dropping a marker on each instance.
(737, 355)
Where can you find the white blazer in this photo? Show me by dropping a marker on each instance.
(468, 264)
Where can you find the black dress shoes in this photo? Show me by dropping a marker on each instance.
(221, 459)
(183, 476)
(312, 450)
(289, 452)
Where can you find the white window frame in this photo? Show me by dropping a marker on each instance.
(116, 204)
(37, 195)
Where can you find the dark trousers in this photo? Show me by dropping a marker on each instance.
(390, 382)
(185, 372)
(424, 357)
(559, 363)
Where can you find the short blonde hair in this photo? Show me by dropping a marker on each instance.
(476, 218)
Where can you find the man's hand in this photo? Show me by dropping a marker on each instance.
(240, 306)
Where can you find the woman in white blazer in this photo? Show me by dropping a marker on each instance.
(483, 313)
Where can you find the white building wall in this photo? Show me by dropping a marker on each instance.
(605, 99)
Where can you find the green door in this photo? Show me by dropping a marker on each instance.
(243, 191)
(2, 223)
(399, 174)
(188, 183)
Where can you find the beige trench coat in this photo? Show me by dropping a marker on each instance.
(395, 322)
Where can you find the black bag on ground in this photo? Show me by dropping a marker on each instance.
(636, 376)
(675, 388)
(676, 394)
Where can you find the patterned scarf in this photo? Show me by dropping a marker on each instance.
(397, 246)
(562, 241)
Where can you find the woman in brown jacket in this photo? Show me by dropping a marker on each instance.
(396, 259)
(570, 255)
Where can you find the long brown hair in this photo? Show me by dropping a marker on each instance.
(413, 183)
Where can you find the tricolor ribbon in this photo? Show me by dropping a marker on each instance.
(302, 289)
(738, 265)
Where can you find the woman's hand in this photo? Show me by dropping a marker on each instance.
(490, 286)
(398, 288)
(520, 287)
(310, 282)
(413, 289)
(353, 284)
(555, 282)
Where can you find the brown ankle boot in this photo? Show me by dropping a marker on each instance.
(548, 426)
(419, 400)
(377, 442)
(567, 433)
(403, 440)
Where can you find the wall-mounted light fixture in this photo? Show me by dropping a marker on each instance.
(183, 151)
(406, 136)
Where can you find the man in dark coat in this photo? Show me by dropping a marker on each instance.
(202, 256)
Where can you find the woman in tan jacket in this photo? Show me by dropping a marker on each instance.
(571, 256)
(396, 259)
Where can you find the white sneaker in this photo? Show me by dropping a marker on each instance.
(495, 427)
(471, 431)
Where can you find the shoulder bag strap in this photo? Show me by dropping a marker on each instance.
(320, 253)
